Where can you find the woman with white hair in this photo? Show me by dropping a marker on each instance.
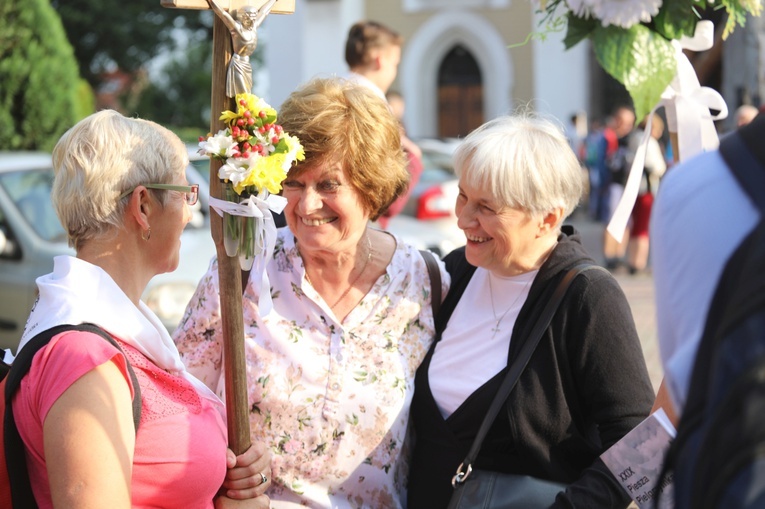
(586, 384)
(121, 193)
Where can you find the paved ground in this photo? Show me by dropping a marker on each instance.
(639, 291)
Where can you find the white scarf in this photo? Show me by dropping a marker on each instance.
(77, 291)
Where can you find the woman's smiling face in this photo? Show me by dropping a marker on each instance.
(501, 239)
(324, 210)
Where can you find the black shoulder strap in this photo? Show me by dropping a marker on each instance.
(744, 153)
(435, 281)
(15, 457)
(514, 373)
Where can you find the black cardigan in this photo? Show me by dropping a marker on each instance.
(585, 387)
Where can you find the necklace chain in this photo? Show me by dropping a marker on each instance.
(363, 269)
(496, 329)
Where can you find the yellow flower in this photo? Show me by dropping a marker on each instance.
(296, 150)
(263, 163)
(264, 173)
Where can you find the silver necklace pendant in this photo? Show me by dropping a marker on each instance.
(496, 329)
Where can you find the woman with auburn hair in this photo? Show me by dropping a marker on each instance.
(331, 367)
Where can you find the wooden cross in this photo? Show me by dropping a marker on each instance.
(229, 274)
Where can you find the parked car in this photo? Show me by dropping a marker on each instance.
(428, 220)
(31, 235)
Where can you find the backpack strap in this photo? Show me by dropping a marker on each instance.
(744, 153)
(434, 272)
(15, 455)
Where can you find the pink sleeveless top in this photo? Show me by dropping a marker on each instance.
(180, 452)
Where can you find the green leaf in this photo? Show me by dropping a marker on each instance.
(737, 12)
(676, 18)
(578, 29)
(643, 61)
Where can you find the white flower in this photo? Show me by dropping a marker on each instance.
(621, 13)
(221, 145)
(251, 160)
(235, 170)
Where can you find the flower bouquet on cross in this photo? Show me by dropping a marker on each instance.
(641, 44)
(257, 155)
(633, 39)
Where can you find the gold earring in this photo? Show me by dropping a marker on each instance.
(147, 234)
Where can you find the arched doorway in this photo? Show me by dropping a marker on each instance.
(460, 93)
(427, 49)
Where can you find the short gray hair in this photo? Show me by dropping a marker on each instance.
(100, 158)
(525, 160)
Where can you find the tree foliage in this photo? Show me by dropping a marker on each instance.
(180, 94)
(123, 34)
(39, 86)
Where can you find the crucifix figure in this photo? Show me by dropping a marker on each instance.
(237, 406)
(244, 39)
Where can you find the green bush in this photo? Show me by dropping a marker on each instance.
(38, 76)
(85, 102)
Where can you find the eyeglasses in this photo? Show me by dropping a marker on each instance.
(190, 193)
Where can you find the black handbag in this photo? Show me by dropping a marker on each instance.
(483, 489)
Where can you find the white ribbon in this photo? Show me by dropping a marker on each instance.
(254, 206)
(686, 105)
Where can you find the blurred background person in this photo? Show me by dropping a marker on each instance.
(413, 155)
(745, 114)
(397, 106)
(586, 384)
(618, 163)
(373, 52)
(653, 169)
(331, 367)
(594, 144)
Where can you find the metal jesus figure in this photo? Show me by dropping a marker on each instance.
(244, 39)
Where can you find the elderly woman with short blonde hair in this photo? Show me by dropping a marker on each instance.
(586, 384)
(121, 193)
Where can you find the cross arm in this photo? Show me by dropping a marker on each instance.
(280, 7)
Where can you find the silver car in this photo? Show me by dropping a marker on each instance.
(31, 235)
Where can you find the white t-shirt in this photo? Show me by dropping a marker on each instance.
(700, 217)
(469, 353)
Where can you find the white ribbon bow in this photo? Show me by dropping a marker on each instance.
(265, 239)
(686, 105)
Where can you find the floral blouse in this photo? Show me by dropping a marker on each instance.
(332, 399)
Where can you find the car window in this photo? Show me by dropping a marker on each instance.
(8, 246)
(30, 192)
(203, 168)
(437, 168)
